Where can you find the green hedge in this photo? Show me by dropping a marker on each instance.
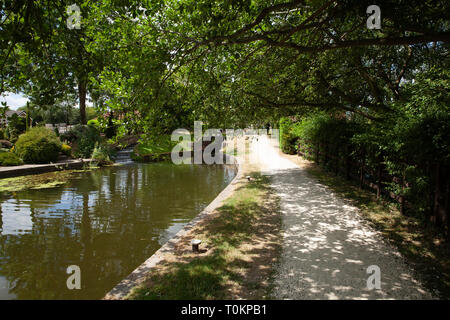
(38, 145)
(288, 138)
(408, 143)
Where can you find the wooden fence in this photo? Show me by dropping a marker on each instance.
(353, 166)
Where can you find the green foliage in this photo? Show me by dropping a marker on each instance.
(414, 138)
(91, 113)
(154, 145)
(72, 135)
(197, 60)
(38, 145)
(102, 154)
(315, 129)
(94, 123)
(86, 142)
(9, 159)
(2, 134)
(16, 126)
(60, 111)
(423, 123)
(246, 77)
(107, 127)
(288, 140)
(153, 148)
(83, 139)
(408, 143)
(66, 149)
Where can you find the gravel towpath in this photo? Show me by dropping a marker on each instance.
(327, 246)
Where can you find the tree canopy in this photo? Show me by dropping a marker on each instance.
(163, 64)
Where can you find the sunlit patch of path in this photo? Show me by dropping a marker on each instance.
(327, 246)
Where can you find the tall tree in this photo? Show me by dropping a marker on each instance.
(42, 56)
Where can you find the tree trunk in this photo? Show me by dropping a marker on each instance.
(82, 96)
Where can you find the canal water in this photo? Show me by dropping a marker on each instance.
(106, 221)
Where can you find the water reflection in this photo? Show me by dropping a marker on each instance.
(106, 221)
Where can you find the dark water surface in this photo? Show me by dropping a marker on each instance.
(107, 222)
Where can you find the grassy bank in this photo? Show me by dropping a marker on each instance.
(241, 242)
(423, 247)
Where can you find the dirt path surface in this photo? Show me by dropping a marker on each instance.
(327, 246)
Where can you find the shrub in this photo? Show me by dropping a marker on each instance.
(2, 134)
(288, 140)
(38, 145)
(83, 138)
(102, 154)
(94, 123)
(66, 149)
(71, 135)
(16, 126)
(86, 142)
(9, 159)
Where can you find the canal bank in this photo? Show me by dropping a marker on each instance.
(107, 221)
(139, 275)
(26, 169)
(240, 234)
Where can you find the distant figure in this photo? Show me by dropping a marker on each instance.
(267, 127)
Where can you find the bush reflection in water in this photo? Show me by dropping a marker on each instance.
(106, 221)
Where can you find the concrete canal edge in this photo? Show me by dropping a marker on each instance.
(138, 276)
(27, 169)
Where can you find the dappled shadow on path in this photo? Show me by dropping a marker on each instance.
(328, 247)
